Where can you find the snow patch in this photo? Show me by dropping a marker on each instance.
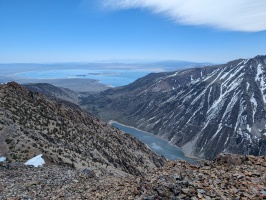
(247, 136)
(172, 75)
(227, 139)
(248, 85)
(224, 76)
(229, 106)
(2, 159)
(36, 161)
(230, 86)
(172, 140)
(249, 128)
(157, 121)
(255, 105)
(259, 78)
(218, 130)
(151, 119)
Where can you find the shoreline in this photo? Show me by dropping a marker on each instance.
(190, 157)
(113, 121)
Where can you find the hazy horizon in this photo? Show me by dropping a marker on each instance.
(109, 62)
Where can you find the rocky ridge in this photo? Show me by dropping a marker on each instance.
(53, 91)
(228, 177)
(204, 110)
(32, 124)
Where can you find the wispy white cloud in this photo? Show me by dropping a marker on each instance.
(234, 15)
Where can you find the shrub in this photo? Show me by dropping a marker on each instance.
(8, 141)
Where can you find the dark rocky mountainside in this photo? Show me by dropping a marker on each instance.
(32, 124)
(204, 111)
(229, 177)
(53, 91)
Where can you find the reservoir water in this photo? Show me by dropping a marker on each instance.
(158, 145)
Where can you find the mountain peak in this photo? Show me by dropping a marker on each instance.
(15, 85)
(260, 57)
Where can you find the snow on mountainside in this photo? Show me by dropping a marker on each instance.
(2, 159)
(204, 110)
(36, 161)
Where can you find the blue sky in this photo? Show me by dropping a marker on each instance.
(40, 31)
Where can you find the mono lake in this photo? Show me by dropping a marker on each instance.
(158, 145)
(111, 77)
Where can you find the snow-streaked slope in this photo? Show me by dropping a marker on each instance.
(36, 161)
(205, 110)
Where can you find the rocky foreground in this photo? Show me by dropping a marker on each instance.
(228, 177)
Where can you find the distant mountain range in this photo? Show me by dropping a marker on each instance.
(173, 65)
(203, 110)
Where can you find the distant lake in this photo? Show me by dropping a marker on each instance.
(111, 77)
(158, 145)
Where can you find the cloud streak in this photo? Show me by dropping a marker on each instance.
(233, 15)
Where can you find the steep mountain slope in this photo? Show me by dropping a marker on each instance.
(32, 124)
(52, 91)
(204, 110)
